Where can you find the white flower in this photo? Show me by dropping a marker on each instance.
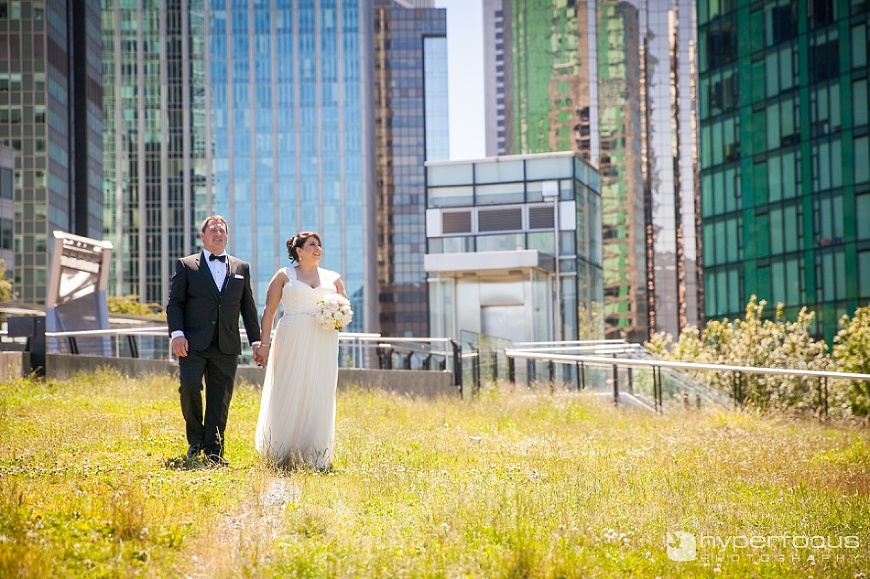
(334, 313)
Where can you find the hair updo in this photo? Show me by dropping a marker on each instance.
(297, 241)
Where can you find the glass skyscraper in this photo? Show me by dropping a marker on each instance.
(497, 100)
(156, 155)
(259, 111)
(411, 127)
(612, 81)
(669, 116)
(626, 297)
(292, 99)
(50, 101)
(785, 156)
(7, 209)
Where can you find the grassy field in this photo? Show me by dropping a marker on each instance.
(521, 483)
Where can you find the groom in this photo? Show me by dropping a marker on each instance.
(207, 293)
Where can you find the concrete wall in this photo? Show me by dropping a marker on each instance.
(407, 382)
(422, 383)
(65, 366)
(14, 365)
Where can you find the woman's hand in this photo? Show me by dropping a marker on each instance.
(261, 354)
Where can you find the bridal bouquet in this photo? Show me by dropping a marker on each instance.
(334, 312)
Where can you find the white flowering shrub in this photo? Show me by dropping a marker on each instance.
(758, 342)
(851, 353)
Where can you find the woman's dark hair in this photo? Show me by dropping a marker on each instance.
(298, 241)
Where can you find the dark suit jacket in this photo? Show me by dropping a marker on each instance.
(197, 307)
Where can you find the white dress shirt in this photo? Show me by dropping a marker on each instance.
(218, 268)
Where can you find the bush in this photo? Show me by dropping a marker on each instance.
(851, 354)
(130, 305)
(756, 342)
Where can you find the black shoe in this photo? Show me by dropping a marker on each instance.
(193, 451)
(217, 460)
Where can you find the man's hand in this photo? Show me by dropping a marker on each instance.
(261, 355)
(179, 346)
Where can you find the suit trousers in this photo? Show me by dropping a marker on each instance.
(218, 370)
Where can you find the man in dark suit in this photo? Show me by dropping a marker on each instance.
(207, 294)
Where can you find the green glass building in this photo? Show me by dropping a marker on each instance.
(785, 156)
(575, 76)
(613, 81)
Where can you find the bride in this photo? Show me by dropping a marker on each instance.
(296, 425)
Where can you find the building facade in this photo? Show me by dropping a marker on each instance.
(411, 127)
(497, 100)
(156, 155)
(627, 299)
(50, 103)
(282, 117)
(7, 209)
(669, 150)
(291, 91)
(785, 177)
(260, 112)
(494, 227)
(614, 82)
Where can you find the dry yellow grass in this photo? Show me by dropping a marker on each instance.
(511, 484)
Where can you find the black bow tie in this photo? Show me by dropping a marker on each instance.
(222, 258)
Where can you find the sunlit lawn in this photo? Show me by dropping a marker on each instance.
(515, 483)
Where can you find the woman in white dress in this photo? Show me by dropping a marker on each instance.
(296, 425)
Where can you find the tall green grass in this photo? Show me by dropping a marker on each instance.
(515, 483)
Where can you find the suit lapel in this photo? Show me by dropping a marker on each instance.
(229, 272)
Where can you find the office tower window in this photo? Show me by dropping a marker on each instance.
(782, 124)
(780, 21)
(821, 12)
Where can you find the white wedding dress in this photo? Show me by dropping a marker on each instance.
(296, 425)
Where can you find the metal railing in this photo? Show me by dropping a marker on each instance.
(122, 339)
(657, 366)
(677, 381)
(433, 354)
(482, 359)
(356, 349)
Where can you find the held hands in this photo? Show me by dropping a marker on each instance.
(180, 346)
(261, 354)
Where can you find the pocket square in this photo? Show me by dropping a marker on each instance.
(237, 276)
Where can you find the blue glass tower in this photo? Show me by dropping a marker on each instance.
(291, 99)
(281, 116)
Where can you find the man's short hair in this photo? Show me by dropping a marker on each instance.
(217, 218)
